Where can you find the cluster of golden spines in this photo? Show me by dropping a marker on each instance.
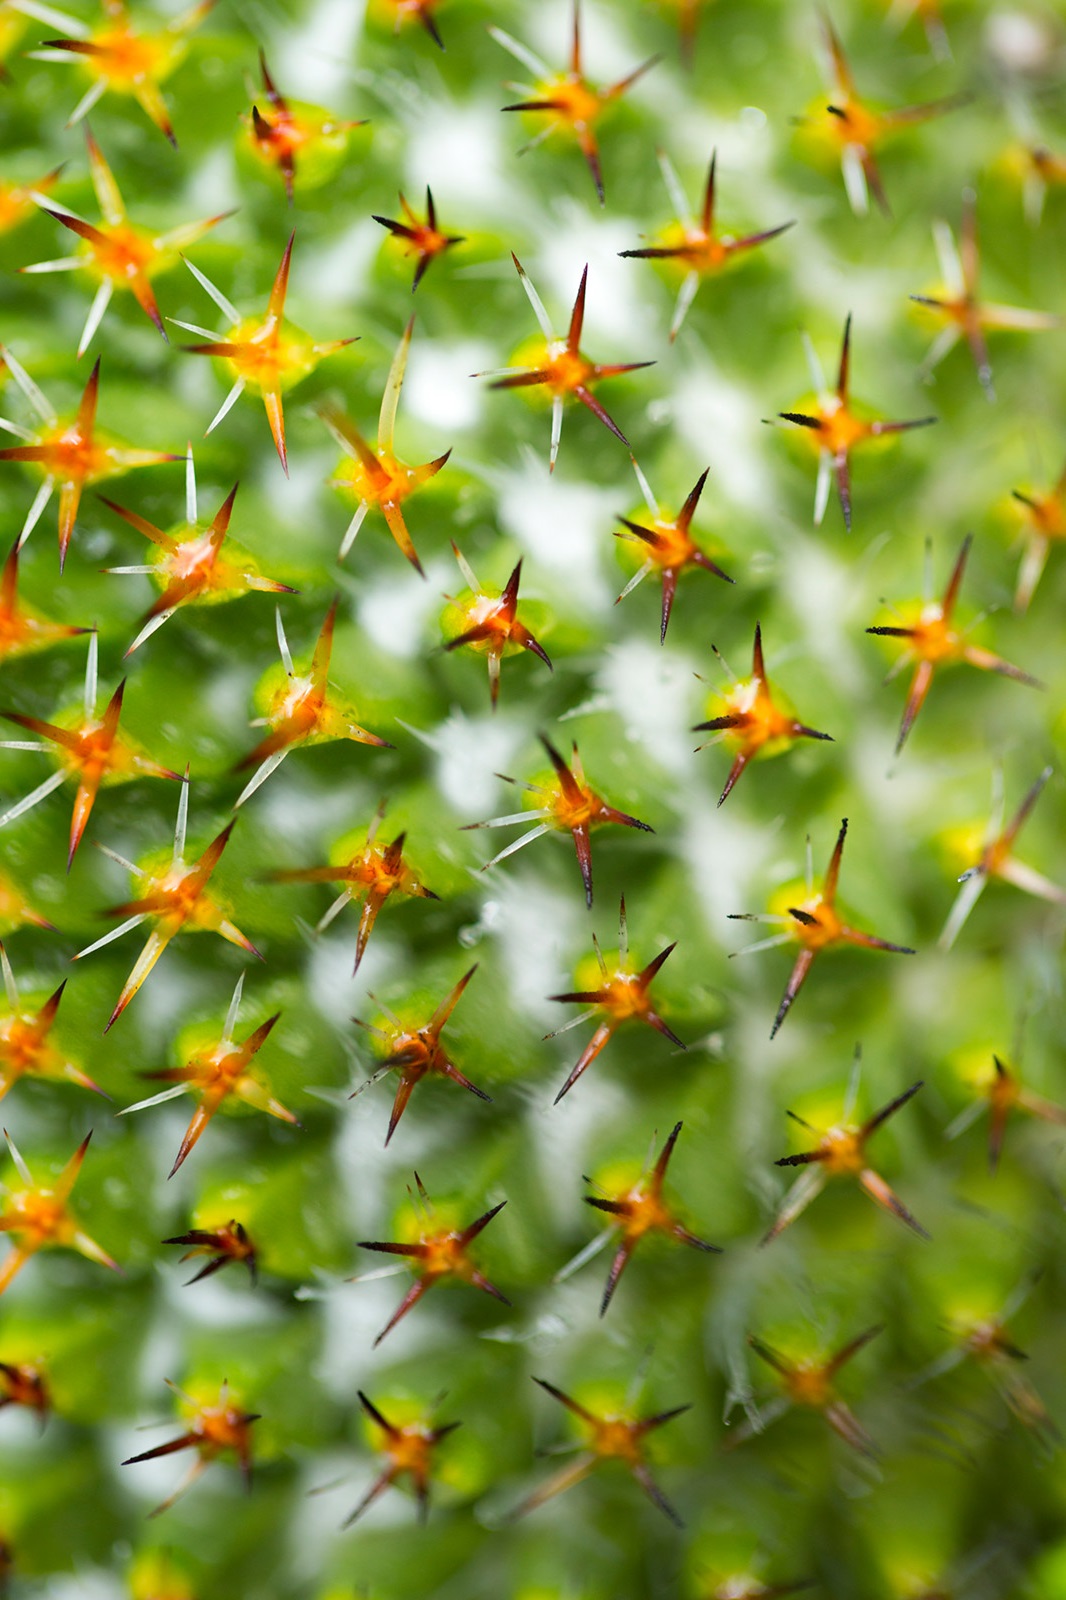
(197, 564)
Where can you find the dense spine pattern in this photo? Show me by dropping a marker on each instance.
(911, 1373)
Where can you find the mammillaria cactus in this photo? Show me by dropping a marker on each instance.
(360, 922)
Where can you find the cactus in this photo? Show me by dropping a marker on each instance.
(254, 154)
